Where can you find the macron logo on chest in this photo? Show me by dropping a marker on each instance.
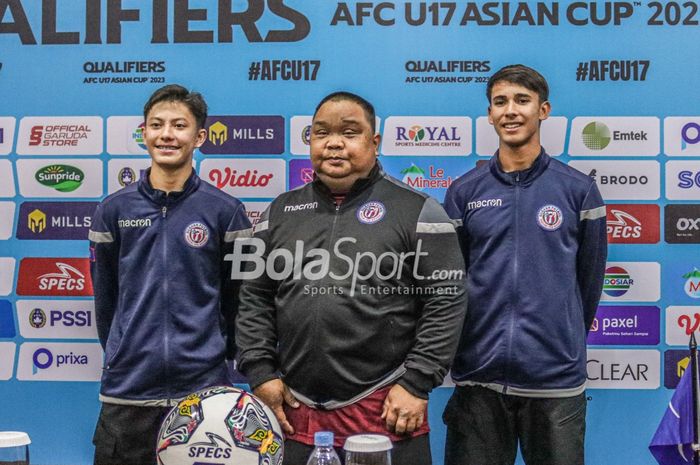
(474, 204)
(134, 223)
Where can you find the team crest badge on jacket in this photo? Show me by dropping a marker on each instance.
(197, 234)
(550, 218)
(371, 212)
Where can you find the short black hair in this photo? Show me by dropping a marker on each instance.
(176, 93)
(522, 76)
(341, 96)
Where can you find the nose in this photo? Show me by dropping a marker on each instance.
(167, 132)
(334, 141)
(511, 108)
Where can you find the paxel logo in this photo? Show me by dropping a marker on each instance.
(59, 362)
(54, 276)
(682, 224)
(623, 369)
(633, 223)
(629, 325)
(57, 319)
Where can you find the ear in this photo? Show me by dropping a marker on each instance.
(545, 110)
(490, 117)
(376, 140)
(201, 137)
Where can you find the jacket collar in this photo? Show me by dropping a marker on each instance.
(160, 197)
(524, 177)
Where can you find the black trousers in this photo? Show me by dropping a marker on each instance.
(127, 435)
(413, 451)
(484, 428)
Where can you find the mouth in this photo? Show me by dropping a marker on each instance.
(511, 126)
(167, 148)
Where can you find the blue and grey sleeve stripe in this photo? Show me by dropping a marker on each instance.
(593, 214)
(100, 237)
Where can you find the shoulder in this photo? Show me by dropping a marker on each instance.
(470, 179)
(569, 175)
(210, 193)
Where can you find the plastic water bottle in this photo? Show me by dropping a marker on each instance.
(323, 453)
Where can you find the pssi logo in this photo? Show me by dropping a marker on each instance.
(692, 284)
(37, 318)
(617, 281)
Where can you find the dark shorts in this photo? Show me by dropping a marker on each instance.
(127, 435)
(484, 427)
(412, 451)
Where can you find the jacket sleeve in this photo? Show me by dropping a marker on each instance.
(104, 271)
(592, 252)
(454, 206)
(238, 227)
(256, 334)
(439, 278)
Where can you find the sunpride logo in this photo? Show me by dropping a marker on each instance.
(595, 136)
(63, 178)
(248, 263)
(617, 281)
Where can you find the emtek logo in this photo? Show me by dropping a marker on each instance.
(63, 178)
(595, 136)
(37, 221)
(218, 133)
(43, 358)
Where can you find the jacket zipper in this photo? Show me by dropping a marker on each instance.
(166, 310)
(514, 291)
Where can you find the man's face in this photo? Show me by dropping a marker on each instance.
(171, 135)
(515, 112)
(343, 147)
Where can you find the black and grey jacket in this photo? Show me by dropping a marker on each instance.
(340, 300)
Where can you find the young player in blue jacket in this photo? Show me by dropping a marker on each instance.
(164, 301)
(533, 236)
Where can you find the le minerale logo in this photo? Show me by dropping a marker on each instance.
(63, 178)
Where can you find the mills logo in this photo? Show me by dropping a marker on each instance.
(595, 136)
(692, 284)
(36, 221)
(63, 178)
(218, 133)
(617, 281)
(54, 276)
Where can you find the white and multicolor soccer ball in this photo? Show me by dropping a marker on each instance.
(220, 425)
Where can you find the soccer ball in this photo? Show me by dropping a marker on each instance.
(223, 426)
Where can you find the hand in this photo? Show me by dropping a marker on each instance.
(403, 412)
(275, 394)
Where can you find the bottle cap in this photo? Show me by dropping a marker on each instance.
(367, 443)
(13, 439)
(323, 438)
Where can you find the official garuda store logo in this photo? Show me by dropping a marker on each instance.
(218, 133)
(63, 178)
(617, 281)
(595, 136)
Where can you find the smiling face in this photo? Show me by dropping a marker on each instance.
(516, 112)
(343, 146)
(171, 135)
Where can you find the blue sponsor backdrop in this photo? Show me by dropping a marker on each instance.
(261, 63)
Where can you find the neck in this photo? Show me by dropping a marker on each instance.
(169, 180)
(517, 158)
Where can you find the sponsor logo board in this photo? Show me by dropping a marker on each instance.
(57, 361)
(629, 325)
(675, 363)
(7, 134)
(7, 213)
(681, 322)
(682, 136)
(244, 135)
(632, 282)
(615, 136)
(123, 172)
(54, 277)
(300, 173)
(683, 180)
(7, 275)
(633, 223)
(7, 187)
(623, 180)
(552, 136)
(7, 320)
(55, 220)
(57, 319)
(125, 135)
(682, 224)
(60, 178)
(7, 360)
(246, 177)
(60, 135)
(427, 135)
(623, 369)
(255, 210)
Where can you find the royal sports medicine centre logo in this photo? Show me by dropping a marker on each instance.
(682, 136)
(633, 223)
(427, 135)
(628, 325)
(249, 135)
(55, 220)
(682, 224)
(638, 136)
